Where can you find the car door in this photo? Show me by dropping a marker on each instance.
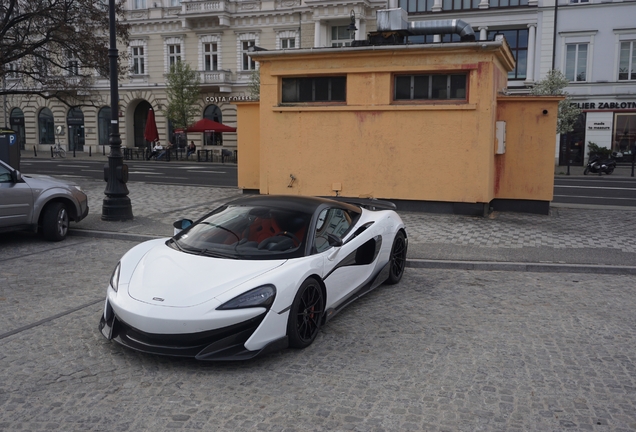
(16, 200)
(349, 266)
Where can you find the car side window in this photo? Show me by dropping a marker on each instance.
(5, 175)
(334, 221)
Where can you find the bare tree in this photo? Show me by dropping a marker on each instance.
(56, 48)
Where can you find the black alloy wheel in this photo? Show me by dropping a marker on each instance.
(305, 316)
(398, 259)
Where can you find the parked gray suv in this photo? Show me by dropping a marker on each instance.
(39, 202)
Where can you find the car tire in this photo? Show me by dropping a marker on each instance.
(397, 261)
(306, 314)
(55, 221)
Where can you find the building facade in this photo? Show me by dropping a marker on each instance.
(214, 38)
(592, 41)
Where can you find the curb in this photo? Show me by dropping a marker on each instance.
(426, 263)
(521, 267)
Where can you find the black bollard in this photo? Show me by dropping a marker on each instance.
(103, 150)
(90, 151)
(73, 151)
(35, 151)
(51, 152)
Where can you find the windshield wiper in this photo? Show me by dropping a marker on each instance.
(174, 242)
(207, 252)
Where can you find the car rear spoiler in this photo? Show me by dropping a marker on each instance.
(368, 203)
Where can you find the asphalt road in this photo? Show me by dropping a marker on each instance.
(604, 190)
(173, 172)
(595, 190)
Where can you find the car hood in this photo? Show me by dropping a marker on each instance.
(44, 181)
(167, 277)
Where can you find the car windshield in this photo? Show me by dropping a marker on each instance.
(244, 232)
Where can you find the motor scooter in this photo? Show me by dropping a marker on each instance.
(597, 165)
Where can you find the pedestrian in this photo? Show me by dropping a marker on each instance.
(165, 151)
(156, 149)
(191, 149)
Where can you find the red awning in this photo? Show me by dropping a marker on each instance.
(207, 125)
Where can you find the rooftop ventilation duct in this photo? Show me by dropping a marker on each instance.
(396, 20)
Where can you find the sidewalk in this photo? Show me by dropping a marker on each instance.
(569, 239)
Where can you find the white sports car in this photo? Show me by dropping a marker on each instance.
(256, 275)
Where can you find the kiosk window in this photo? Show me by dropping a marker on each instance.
(430, 87)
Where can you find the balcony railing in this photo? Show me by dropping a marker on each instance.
(215, 77)
(205, 6)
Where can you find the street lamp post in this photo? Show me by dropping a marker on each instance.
(116, 205)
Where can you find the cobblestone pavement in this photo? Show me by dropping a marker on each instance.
(443, 350)
(567, 235)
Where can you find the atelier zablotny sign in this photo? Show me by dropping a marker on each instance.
(604, 105)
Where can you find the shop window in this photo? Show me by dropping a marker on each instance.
(624, 134)
(315, 89)
(103, 126)
(46, 126)
(430, 87)
(518, 41)
(214, 113)
(576, 62)
(16, 121)
(627, 62)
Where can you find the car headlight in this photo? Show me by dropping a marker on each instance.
(262, 296)
(114, 279)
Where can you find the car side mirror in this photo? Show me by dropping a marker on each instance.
(16, 177)
(334, 240)
(181, 224)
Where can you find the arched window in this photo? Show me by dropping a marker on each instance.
(46, 127)
(213, 112)
(103, 125)
(16, 121)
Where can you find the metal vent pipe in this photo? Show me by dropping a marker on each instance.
(390, 20)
